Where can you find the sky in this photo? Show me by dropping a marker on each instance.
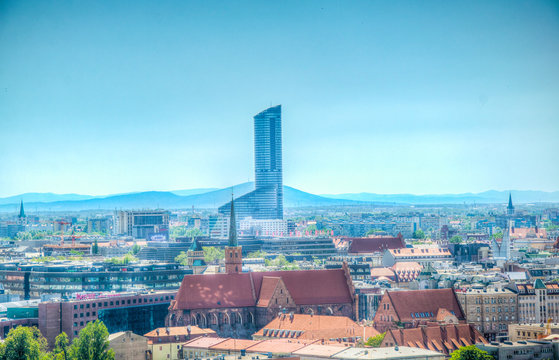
(430, 97)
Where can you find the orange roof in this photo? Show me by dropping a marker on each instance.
(269, 284)
(277, 346)
(234, 344)
(313, 327)
(203, 342)
(419, 252)
(383, 271)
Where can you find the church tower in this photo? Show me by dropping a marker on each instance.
(21, 218)
(510, 207)
(233, 252)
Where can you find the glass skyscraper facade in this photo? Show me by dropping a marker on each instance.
(266, 201)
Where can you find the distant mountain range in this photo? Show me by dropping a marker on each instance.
(213, 198)
(179, 199)
(486, 197)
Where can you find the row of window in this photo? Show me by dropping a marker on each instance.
(124, 302)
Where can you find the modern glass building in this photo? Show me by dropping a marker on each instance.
(266, 201)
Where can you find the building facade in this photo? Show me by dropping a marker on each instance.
(142, 224)
(490, 310)
(136, 312)
(65, 279)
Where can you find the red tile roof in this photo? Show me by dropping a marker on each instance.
(445, 338)
(269, 285)
(407, 271)
(365, 245)
(314, 327)
(306, 287)
(426, 303)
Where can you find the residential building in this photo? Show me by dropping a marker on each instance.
(166, 342)
(418, 307)
(490, 310)
(537, 302)
(129, 346)
(443, 338)
(518, 332)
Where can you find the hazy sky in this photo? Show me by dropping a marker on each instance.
(102, 97)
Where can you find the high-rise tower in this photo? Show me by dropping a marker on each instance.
(266, 201)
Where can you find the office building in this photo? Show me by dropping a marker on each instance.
(266, 201)
(144, 224)
(66, 278)
(136, 312)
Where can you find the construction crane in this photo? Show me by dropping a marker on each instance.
(62, 223)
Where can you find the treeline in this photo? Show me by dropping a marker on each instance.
(28, 343)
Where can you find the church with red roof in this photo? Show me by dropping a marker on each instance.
(236, 304)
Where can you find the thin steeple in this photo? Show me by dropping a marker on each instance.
(21, 211)
(233, 226)
(510, 207)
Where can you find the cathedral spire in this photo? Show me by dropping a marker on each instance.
(233, 225)
(21, 211)
(510, 207)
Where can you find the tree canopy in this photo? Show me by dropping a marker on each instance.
(24, 343)
(418, 234)
(375, 341)
(470, 353)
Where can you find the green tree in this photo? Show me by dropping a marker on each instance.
(182, 258)
(95, 248)
(470, 353)
(256, 254)
(418, 234)
(497, 235)
(24, 343)
(373, 231)
(62, 347)
(456, 239)
(135, 249)
(213, 254)
(375, 341)
(92, 343)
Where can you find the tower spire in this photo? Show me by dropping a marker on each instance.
(233, 225)
(21, 211)
(510, 207)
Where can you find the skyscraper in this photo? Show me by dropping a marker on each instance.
(266, 201)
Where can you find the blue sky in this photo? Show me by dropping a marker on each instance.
(102, 97)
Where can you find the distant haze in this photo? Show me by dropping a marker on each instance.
(386, 97)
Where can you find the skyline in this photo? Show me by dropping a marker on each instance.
(442, 98)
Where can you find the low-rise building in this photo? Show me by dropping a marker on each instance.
(520, 350)
(444, 338)
(166, 342)
(129, 346)
(421, 255)
(418, 307)
(519, 332)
